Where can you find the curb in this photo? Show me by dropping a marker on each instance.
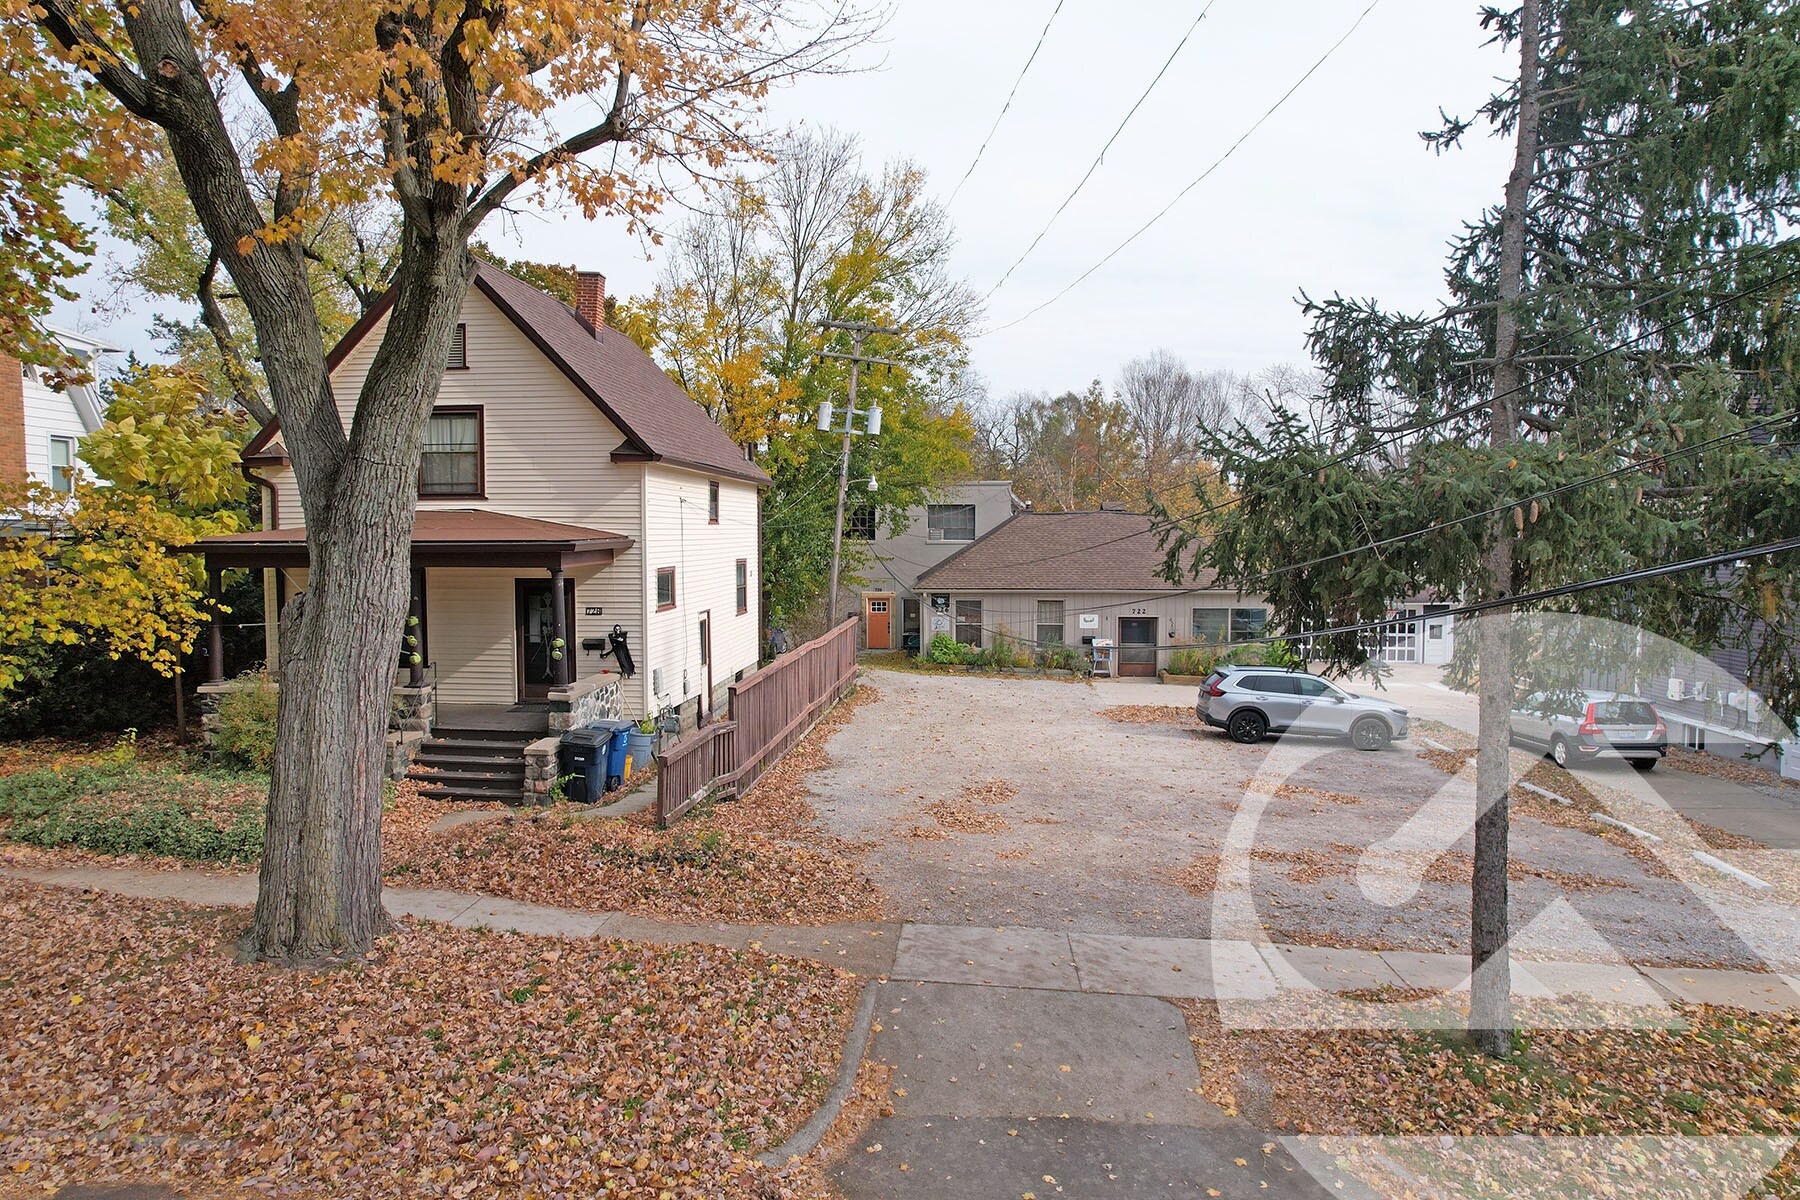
(812, 1133)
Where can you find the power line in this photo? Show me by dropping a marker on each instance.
(1179, 196)
(1004, 107)
(1098, 158)
(1417, 426)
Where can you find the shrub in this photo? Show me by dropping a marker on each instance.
(946, 651)
(245, 736)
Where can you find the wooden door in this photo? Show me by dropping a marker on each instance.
(1137, 645)
(878, 621)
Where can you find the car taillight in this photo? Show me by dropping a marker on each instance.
(1662, 729)
(1213, 689)
(1588, 724)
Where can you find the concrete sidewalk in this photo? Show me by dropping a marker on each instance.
(1019, 958)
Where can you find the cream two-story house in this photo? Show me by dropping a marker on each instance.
(43, 418)
(581, 521)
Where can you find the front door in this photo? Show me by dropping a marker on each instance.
(535, 633)
(1137, 645)
(878, 621)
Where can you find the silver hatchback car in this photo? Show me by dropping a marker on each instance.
(1249, 703)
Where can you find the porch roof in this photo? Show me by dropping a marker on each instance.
(456, 537)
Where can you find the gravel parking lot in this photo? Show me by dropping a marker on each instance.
(1016, 802)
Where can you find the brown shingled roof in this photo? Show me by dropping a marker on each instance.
(660, 421)
(1060, 552)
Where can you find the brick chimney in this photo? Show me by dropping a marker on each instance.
(590, 299)
(12, 420)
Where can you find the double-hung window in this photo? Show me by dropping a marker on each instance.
(62, 464)
(1050, 622)
(451, 463)
(968, 622)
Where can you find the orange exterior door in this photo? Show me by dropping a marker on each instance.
(878, 620)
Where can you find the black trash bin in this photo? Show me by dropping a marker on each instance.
(581, 761)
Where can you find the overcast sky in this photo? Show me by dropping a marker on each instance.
(1334, 193)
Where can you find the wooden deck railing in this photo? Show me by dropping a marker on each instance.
(770, 711)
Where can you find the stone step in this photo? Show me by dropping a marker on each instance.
(507, 792)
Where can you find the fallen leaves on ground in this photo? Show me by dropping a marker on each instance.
(1735, 769)
(1150, 714)
(1718, 1072)
(757, 858)
(449, 1063)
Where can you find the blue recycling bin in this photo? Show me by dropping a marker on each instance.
(615, 749)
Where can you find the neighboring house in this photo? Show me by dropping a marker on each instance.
(955, 517)
(42, 422)
(559, 458)
(1072, 577)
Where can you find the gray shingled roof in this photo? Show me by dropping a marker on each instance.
(1060, 552)
(648, 407)
(659, 420)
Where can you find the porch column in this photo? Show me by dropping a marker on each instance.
(215, 633)
(559, 632)
(415, 628)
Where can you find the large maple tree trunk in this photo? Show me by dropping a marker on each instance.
(1490, 1001)
(319, 891)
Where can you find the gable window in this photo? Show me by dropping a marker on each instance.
(968, 622)
(950, 523)
(743, 585)
(665, 589)
(451, 463)
(62, 464)
(712, 502)
(859, 523)
(1050, 622)
(459, 350)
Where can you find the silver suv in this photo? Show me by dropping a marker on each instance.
(1589, 725)
(1249, 703)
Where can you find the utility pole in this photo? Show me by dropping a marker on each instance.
(1490, 982)
(858, 330)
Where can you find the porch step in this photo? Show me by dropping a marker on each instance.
(456, 758)
(485, 737)
(496, 773)
(505, 793)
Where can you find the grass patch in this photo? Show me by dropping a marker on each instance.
(123, 806)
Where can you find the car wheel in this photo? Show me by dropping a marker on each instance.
(1559, 751)
(1370, 733)
(1644, 764)
(1248, 727)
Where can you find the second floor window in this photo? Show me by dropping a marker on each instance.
(451, 462)
(950, 523)
(859, 523)
(712, 502)
(62, 464)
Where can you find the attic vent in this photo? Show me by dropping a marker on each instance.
(459, 349)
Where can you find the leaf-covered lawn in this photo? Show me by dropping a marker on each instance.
(449, 1063)
(755, 859)
(1717, 1072)
(119, 804)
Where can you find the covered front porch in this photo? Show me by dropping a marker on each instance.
(453, 544)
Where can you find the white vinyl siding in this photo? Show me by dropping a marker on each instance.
(547, 454)
(705, 555)
(470, 628)
(48, 414)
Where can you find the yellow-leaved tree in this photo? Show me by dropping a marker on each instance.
(276, 113)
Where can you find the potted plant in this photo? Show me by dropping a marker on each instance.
(640, 743)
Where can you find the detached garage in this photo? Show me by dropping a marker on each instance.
(1045, 579)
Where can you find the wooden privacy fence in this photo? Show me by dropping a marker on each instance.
(769, 711)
